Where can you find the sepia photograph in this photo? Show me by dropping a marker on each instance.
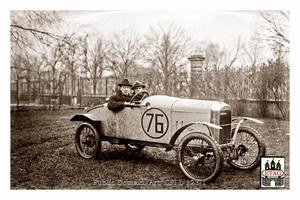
(156, 99)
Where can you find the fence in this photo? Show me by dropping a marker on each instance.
(77, 92)
(232, 86)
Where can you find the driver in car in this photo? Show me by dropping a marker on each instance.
(122, 97)
(137, 87)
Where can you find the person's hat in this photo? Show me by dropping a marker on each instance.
(125, 82)
(137, 84)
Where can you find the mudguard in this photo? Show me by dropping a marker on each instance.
(179, 131)
(84, 117)
(242, 119)
(247, 118)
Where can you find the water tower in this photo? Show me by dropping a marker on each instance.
(196, 74)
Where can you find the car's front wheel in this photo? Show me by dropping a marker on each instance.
(87, 141)
(250, 147)
(199, 157)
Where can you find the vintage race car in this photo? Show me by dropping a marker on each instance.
(201, 132)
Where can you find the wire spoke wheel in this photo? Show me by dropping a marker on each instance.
(199, 157)
(250, 148)
(87, 141)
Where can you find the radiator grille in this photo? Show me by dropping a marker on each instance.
(225, 123)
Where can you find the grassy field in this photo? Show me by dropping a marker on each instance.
(43, 156)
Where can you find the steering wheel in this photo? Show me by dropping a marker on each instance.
(142, 93)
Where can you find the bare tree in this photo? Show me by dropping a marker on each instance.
(230, 89)
(167, 48)
(96, 61)
(275, 30)
(123, 53)
(70, 60)
(218, 79)
(261, 91)
(54, 61)
(39, 34)
(27, 28)
(254, 49)
(28, 68)
(279, 85)
(212, 85)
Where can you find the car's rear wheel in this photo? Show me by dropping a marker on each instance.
(250, 147)
(87, 141)
(134, 147)
(199, 157)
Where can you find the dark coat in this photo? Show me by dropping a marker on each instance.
(116, 102)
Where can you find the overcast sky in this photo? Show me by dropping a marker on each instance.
(223, 27)
(216, 20)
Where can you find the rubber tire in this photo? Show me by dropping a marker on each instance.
(136, 148)
(78, 130)
(217, 153)
(261, 147)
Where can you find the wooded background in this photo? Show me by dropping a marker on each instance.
(75, 66)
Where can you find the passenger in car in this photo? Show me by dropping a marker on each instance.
(137, 87)
(122, 97)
